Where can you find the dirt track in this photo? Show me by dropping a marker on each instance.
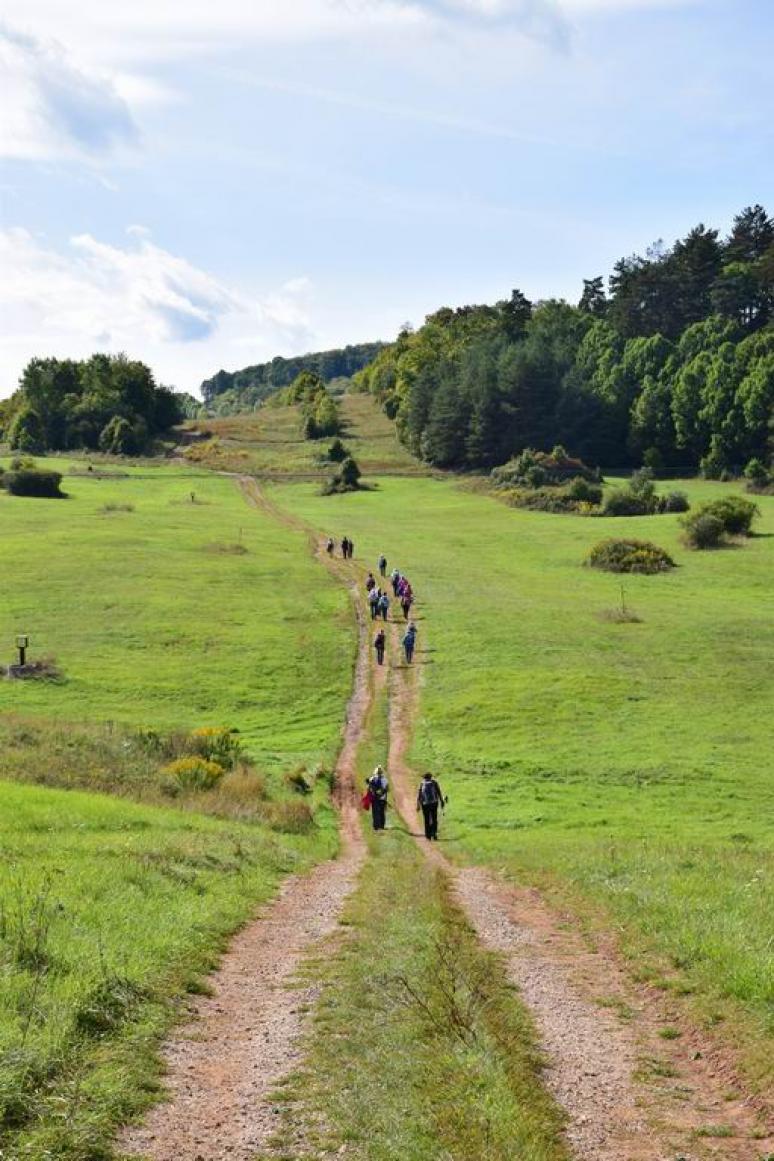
(224, 1062)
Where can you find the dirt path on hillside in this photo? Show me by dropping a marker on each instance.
(629, 1094)
(223, 1064)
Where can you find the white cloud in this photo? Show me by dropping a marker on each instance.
(52, 107)
(139, 298)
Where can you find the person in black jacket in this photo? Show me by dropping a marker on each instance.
(378, 786)
(380, 642)
(429, 798)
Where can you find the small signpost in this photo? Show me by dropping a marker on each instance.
(22, 644)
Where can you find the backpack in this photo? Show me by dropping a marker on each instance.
(428, 792)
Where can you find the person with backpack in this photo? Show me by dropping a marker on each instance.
(345, 548)
(370, 582)
(382, 565)
(329, 546)
(394, 578)
(409, 641)
(384, 605)
(405, 603)
(377, 787)
(429, 798)
(380, 643)
(373, 602)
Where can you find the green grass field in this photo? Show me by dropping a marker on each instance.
(628, 762)
(108, 911)
(156, 621)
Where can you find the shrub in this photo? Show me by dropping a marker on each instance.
(34, 482)
(584, 491)
(337, 452)
(195, 773)
(625, 502)
(674, 502)
(216, 744)
(345, 480)
(638, 556)
(535, 469)
(703, 530)
(757, 473)
(734, 512)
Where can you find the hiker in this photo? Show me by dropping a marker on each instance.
(380, 642)
(377, 787)
(429, 798)
(345, 548)
(329, 546)
(409, 641)
(384, 605)
(373, 602)
(382, 565)
(401, 586)
(394, 578)
(406, 602)
(351, 549)
(370, 582)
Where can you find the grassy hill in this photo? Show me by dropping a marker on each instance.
(269, 442)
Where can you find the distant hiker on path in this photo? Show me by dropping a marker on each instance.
(406, 601)
(329, 546)
(370, 582)
(429, 798)
(394, 578)
(382, 565)
(351, 549)
(377, 786)
(345, 548)
(409, 641)
(373, 602)
(384, 605)
(380, 642)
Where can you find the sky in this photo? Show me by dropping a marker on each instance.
(207, 185)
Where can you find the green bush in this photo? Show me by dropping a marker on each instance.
(757, 473)
(347, 479)
(216, 744)
(625, 502)
(584, 491)
(674, 502)
(734, 512)
(703, 531)
(337, 452)
(536, 469)
(639, 556)
(34, 482)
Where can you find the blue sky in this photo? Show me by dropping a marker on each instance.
(207, 185)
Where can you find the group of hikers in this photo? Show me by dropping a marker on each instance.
(379, 605)
(429, 798)
(347, 547)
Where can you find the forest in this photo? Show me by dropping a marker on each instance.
(671, 365)
(108, 403)
(233, 391)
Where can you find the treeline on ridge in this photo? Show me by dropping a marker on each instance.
(229, 392)
(108, 403)
(671, 366)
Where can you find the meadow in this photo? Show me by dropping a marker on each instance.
(171, 613)
(625, 767)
